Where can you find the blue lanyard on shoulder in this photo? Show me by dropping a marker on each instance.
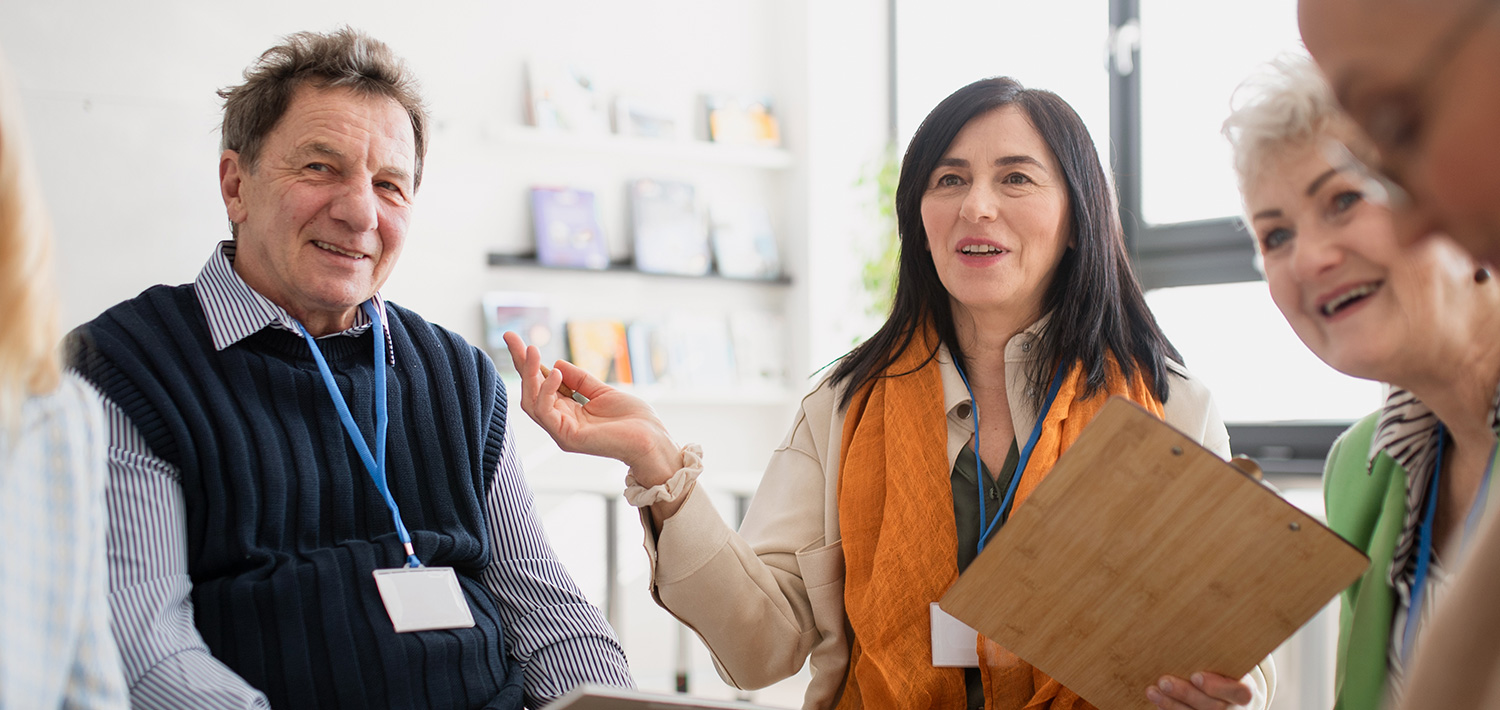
(988, 525)
(1424, 548)
(374, 464)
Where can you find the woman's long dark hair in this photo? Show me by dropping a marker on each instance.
(1094, 300)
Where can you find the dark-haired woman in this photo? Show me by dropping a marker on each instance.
(1015, 316)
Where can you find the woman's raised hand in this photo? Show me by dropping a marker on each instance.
(613, 424)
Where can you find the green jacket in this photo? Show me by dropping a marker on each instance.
(1367, 509)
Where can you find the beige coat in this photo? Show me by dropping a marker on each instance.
(767, 598)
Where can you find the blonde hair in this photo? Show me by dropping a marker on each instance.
(1284, 105)
(29, 361)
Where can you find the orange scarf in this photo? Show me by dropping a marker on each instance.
(900, 540)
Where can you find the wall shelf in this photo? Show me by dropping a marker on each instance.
(697, 151)
(530, 262)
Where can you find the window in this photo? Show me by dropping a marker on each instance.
(1236, 341)
(942, 45)
(1193, 55)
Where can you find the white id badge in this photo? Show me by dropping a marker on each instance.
(953, 641)
(423, 598)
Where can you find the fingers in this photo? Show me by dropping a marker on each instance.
(517, 348)
(1209, 691)
(581, 380)
(1226, 689)
(528, 363)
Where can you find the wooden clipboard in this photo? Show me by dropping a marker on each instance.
(1143, 554)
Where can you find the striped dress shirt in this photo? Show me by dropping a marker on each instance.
(560, 639)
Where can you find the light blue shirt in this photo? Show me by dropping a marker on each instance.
(56, 649)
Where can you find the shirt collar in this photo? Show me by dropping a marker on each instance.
(1407, 429)
(1021, 348)
(235, 311)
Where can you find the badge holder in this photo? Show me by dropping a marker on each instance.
(423, 598)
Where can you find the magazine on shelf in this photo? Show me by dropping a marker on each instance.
(700, 351)
(562, 96)
(758, 347)
(600, 347)
(743, 241)
(653, 117)
(670, 234)
(741, 120)
(527, 315)
(567, 228)
(649, 355)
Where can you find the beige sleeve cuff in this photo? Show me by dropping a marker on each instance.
(692, 465)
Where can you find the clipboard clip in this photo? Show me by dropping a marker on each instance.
(1246, 465)
(1249, 467)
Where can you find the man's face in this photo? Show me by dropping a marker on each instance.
(323, 215)
(1419, 77)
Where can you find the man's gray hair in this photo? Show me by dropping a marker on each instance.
(345, 58)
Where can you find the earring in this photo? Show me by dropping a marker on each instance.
(1481, 275)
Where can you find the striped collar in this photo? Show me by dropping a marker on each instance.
(1407, 432)
(235, 311)
(1407, 429)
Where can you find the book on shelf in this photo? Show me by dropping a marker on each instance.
(700, 351)
(670, 234)
(741, 120)
(647, 116)
(526, 314)
(599, 346)
(649, 352)
(759, 347)
(567, 228)
(563, 96)
(744, 243)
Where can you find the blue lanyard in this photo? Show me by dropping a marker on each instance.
(987, 530)
(1424, 549)
(374, 464)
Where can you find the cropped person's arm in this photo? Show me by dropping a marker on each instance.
(749, 595)
(560, 638)
(94, 680)
(167, 665)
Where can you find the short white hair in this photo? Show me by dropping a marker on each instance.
(1286, 104)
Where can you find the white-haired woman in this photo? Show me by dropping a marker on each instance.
(55, 644)
(1406, 482)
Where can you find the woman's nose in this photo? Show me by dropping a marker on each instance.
(980, 204)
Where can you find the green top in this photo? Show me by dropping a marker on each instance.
(1366, 504)
(966, 514)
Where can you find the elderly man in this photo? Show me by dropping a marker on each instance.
(1419, 76)
(314, 495)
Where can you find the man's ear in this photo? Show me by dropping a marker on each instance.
(230, 184)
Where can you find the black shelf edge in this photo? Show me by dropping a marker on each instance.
(530, 262)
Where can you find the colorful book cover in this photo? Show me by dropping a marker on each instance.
(670, 234)
(649, 356)
(600, 347)
(742, 121)
(566, 225)
(525, 314)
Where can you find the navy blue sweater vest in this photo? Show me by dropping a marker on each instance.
(284, 525)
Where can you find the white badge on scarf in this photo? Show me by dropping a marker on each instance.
(423, 598)
(954, 643)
